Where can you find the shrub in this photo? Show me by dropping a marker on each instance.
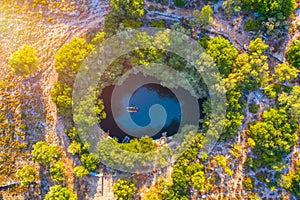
(60, 192)
(43, 153)
(124, 189)
(179, 3)
(158, 23)
(253, 108)
(23, 61)
(252, 25)
(81, 171)
(248, 183)
(90, 161)
(57, 171)
(26, 175)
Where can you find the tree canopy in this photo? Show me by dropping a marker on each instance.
(74, 148)
(26, 175)
(81, 171)
(24, 60)
(291, 181)
(127, 9)
(68, 61)
(204, 17)
(43, 153)
(60, 192)
(274, 137)
(61, 95)
(69, 58)
(223, 52)
(277, 9)
(90, 161)
(83, 112)
(187, 172)
(124, 189)
(139, 145)
(123, 11)
(284, 72)
(253, 67)
(293, 54)
(290, 101)
(57, 171)
(248, 183)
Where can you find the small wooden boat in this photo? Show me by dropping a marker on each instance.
(132, 109)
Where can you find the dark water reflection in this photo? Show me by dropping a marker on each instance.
(144, 98)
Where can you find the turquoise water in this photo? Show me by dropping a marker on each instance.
(147, 96)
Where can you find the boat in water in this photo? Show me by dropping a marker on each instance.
(132, 109)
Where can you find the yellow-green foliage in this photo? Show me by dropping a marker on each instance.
(26, 175)
(124, 189)
(23, 61)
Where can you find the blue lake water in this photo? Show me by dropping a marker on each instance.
(150, 99)
(147, 96)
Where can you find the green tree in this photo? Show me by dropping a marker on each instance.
(223, 52)
(253, 68)
(248, 183)
(159, 191)
(296, 183)
(69, 59)
(204, 16)
(293, 54)
(99, 38)
(221, 160)
(179, 188)
(124, 189)
(179, 3)
(186, 172)
(72, 133)
(284, 72)
(60, 192)
(81, 171)
(252, 196)
(111, 24)
(90, 161)
(26, 175)
(57, 171)
(127, 9)
(277, 9)
(74, 148)
(153, 193)
(252, 25)
(43, 153)
(291, 181)
(274, 137)
(228, 171)
(83, 112)
(158, 23)
(139, 145)
(23, 61)
(61, 96)
(231, 6)
(286, 181)
(272, 90)
(290, 102)
(123, 11)
(132, 23)
(198, 180)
